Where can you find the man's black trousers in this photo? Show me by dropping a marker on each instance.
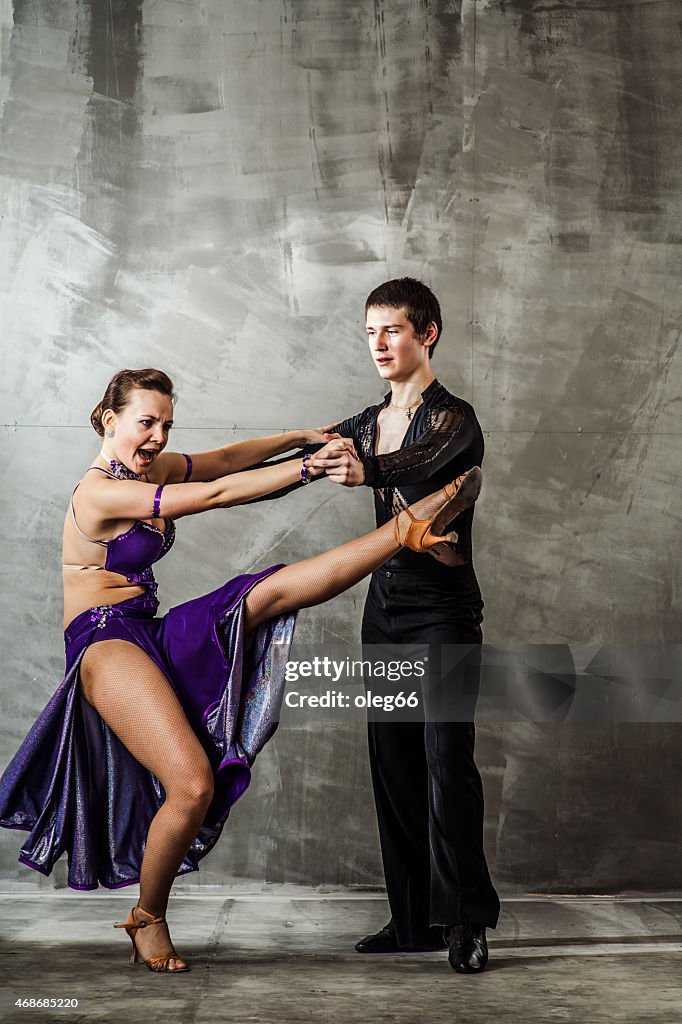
(427, 788)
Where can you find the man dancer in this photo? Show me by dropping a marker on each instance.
(427, 788)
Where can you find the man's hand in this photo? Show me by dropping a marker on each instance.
(446, 555)
(339, 460)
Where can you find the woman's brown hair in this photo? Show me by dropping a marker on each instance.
(120, 387)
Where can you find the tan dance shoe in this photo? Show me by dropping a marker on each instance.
(422, 534)
(159, 964)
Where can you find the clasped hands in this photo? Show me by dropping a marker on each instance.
(338, 459)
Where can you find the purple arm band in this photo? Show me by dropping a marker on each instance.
(189, 469)
(157, 502)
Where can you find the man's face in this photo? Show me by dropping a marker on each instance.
(398, 352)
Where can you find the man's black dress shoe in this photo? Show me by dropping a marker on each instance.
(382, 942)
(385, 942)
(468, 949)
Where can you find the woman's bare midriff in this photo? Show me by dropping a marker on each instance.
(93, 587)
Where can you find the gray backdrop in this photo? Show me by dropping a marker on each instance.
(212, 187)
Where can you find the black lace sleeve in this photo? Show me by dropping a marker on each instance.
(452, 431)
(349, 427)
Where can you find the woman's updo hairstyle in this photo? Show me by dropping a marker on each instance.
(120, 388)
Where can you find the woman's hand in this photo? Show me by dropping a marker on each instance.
(339, 460)
(312, 436)
(313, 462)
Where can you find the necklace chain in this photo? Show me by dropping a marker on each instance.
(406, 408)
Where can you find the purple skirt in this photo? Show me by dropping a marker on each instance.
(77, 789)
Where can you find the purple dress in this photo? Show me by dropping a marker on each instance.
(74, 787)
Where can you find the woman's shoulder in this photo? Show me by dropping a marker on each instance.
(88, 479)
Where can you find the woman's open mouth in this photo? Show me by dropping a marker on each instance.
(147, 455)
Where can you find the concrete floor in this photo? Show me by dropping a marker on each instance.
(283, 955)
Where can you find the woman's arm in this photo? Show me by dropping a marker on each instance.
(111, 500)
(171, 467)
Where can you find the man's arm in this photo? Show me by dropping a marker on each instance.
(348, 427)
(455, 430)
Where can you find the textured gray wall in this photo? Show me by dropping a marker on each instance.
(212, 187)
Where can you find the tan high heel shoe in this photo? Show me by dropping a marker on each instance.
(460, 495)
(159, 964)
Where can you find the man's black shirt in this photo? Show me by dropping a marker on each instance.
(443, 440)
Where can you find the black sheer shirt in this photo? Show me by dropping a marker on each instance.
(443, 440)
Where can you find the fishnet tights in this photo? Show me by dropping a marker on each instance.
(324, 576)
(138, 703)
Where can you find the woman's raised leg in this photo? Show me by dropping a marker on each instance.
(138, 703)
(318, 579)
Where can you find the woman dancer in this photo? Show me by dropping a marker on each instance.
(133, 765)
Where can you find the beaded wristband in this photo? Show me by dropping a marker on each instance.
(189, 469)
(304, 470)
(157, 502)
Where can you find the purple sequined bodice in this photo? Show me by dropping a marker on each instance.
(133, 553)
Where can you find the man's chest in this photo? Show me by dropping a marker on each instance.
(390, 431)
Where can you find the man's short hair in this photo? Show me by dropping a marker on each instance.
(421, 305)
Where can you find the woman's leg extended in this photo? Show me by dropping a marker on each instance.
(137, 702)
(322, 577)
